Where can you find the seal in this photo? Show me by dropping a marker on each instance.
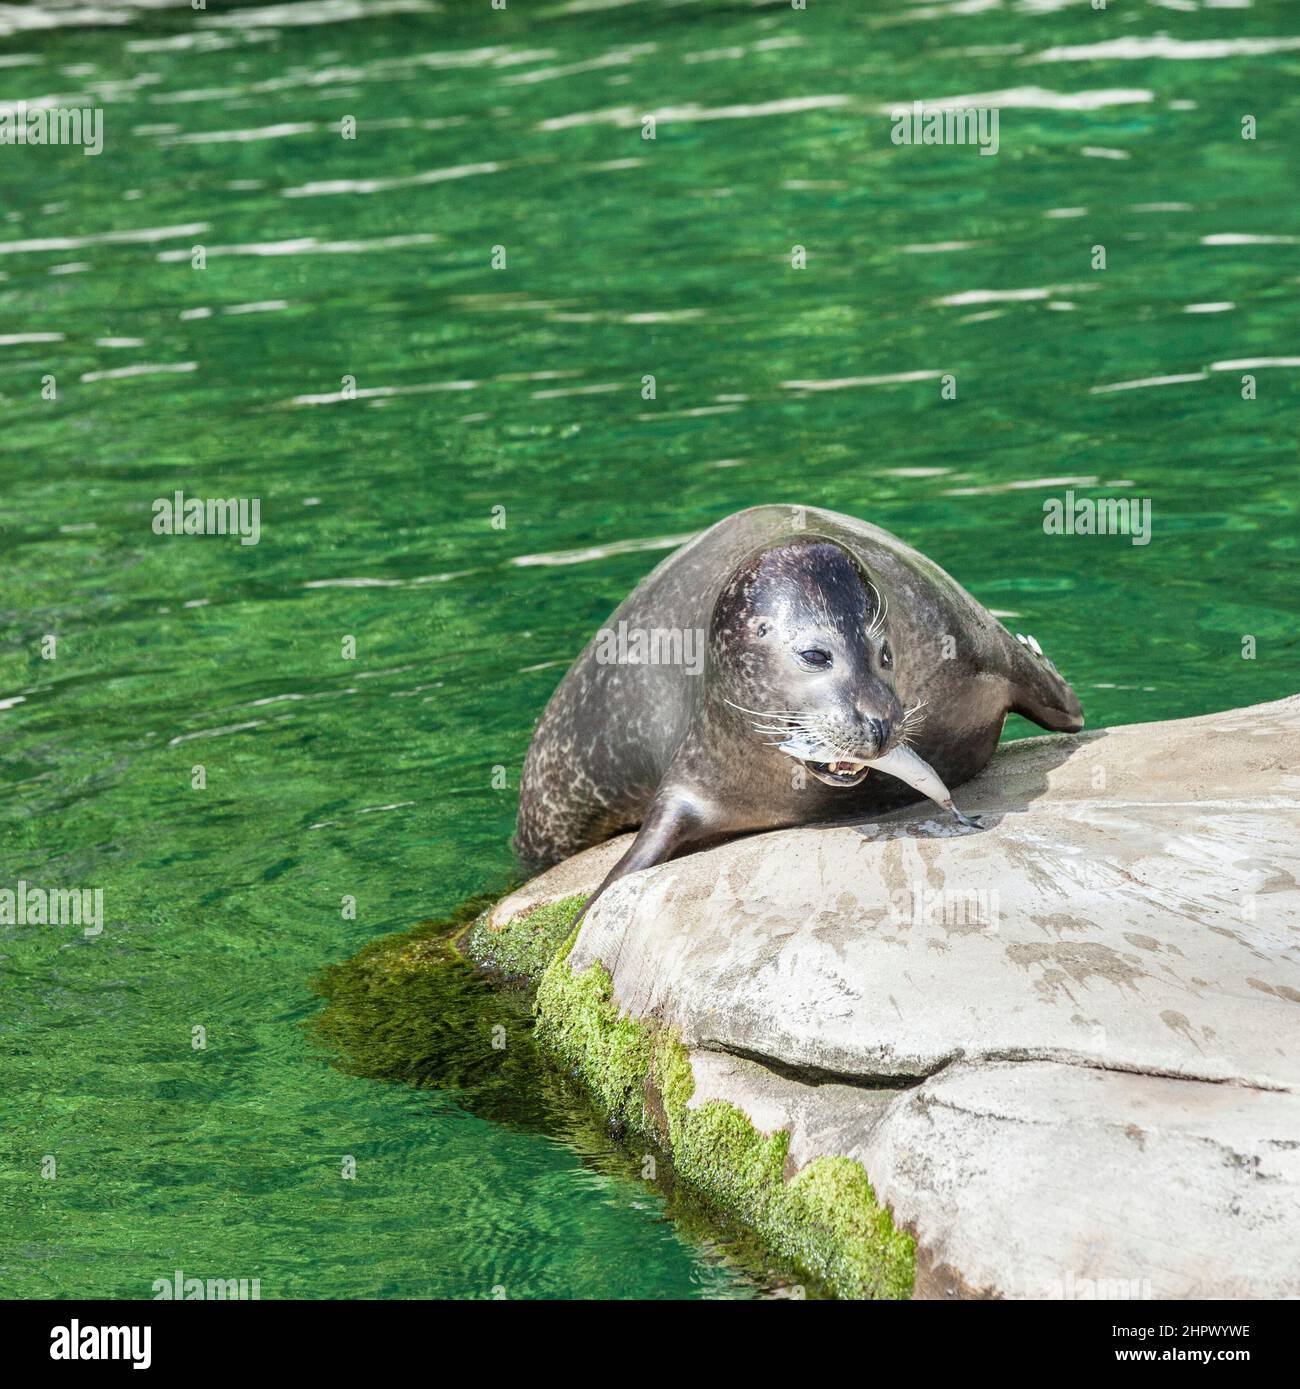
(759, 676)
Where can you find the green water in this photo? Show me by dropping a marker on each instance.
(521, 388)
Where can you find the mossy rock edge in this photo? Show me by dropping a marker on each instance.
(826, 1219)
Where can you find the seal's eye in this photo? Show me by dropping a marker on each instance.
(886, 655)
(819, 660)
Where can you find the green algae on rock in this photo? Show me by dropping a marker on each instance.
(825, 1219)
(523, 946)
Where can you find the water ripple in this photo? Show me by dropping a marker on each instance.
(630, 116)
(380, 185)
(77, 243)
(1032, 98)
(1146, 381)
(591, 552)
(309, 245)
(1141, 47)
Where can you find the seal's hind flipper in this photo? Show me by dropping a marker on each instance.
(1038, 692)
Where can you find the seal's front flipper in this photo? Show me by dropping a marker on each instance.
(1039, 693)
(669, 825)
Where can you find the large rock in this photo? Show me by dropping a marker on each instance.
(1065, 1048)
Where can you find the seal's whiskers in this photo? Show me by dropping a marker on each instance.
(882, 611)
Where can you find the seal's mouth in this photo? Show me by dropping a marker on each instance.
(805, 738)
(827, 762)
(893, 756)
(842, 773)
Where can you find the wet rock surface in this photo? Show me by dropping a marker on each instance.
(1065, 1048)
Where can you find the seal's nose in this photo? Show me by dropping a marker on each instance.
(879, 731)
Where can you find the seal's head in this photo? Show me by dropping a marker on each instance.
(800, 650)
